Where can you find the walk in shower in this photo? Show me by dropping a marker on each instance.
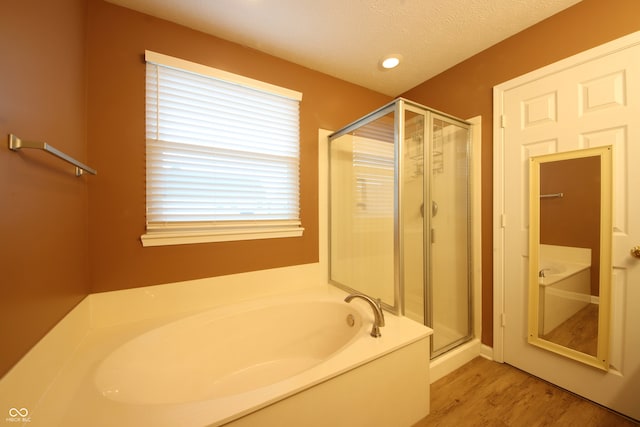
(399, 216)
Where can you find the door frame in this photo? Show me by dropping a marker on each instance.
(499, 219)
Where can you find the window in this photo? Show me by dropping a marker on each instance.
(222, 155)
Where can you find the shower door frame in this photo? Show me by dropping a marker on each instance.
(428, 197)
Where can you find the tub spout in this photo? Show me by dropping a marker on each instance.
(378, 315)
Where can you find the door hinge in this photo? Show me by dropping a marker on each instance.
(503, 319)
(503, 121)
(503, 221)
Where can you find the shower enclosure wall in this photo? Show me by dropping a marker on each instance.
(399, 216)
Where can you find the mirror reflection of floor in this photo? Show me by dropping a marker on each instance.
(579, 332)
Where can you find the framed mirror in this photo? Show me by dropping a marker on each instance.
(570, 227)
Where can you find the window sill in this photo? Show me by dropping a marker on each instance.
(166, 238)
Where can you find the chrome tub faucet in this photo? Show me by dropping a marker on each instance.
(378, 315)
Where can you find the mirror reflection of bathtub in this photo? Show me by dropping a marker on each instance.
(565, 298)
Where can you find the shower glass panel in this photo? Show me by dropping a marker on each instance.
(362, 174)
(399, 216)
(414, 260)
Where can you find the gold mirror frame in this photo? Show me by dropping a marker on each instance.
(601, 358)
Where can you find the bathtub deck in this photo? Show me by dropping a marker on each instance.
(73, 398)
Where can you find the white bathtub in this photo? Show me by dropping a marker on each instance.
(248, 364)
(565, 284)
(225, 352)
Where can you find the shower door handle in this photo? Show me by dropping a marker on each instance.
(434, 209)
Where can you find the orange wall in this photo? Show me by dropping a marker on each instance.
(117, 39)
(43, 205)
(466, 90)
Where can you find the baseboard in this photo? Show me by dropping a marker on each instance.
(486, 351)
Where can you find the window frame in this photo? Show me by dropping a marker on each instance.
(178, 233)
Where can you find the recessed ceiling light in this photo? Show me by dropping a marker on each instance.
(390, 61)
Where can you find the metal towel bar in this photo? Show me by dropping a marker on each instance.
(551, 196)
(16, 143)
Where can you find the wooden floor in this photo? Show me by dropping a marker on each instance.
(579, 332)
(486, 393)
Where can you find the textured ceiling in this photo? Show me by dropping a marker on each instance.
(347, 38)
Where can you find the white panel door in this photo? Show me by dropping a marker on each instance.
(590, 100)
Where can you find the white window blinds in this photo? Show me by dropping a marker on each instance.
(222, 155)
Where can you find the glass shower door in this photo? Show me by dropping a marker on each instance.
(449, 280)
